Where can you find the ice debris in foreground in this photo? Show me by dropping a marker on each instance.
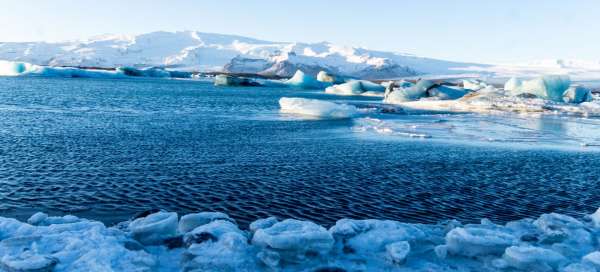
(212, 241)
(317, 108)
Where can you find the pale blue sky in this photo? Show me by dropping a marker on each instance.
(469, 30)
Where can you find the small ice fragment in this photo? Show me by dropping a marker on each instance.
(189, 222)
(37, 218)
(155, 228)
(397, 252)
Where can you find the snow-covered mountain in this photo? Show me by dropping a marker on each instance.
(208, 52)
(205, 52)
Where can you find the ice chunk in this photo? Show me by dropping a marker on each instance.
(372, 236)
(397, 252)
(263, 223)
(294, 240)
(316, 108)
(13, 68)
(37, 218)
(304, 81)
(227, 80)
(547, 87)
(189, 222)
(579, 267)
(355, 87)
(596, 218)
(412, 93)
(477, 241)
(446, 92)
(155, 228)
(474, 84)
(577, 94)
(24, 263)
(513, 84)
(326, 77)
(593, 259)
(531, 258)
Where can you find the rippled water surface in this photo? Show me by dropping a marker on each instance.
(106, 149)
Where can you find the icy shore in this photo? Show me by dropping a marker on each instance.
(212, 241)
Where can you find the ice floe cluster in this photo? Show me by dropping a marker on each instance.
(13, 68)
(212, 241)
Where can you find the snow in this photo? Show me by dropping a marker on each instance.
(552, 242)
(317, 108)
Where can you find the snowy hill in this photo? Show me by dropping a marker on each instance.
(205, 52)
(208, 52)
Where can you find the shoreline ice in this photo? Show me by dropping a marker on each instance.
(212, 241)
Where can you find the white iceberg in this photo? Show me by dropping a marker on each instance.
(316, 108)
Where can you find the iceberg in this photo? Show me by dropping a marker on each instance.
(304, 81)
(355, 87)
(326, 77)
(411, 93)
(474, 84)
(443, 92)
(316, 108)
(547, 87)
(227, 80)
(577, 94)
(513, 84)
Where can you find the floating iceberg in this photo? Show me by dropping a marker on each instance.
(577, 94)
(316, 108)
(474, 84)
(546, 87)
(227, 80)
(355, 87)
(10, 68)
(326, 77)
(213, 242)
(423, 89)
(304, 81)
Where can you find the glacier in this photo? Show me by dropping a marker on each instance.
(212, 241)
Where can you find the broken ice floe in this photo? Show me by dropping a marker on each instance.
(213, 242)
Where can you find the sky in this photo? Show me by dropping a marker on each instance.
(462, 30)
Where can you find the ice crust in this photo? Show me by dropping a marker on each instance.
(316, 108)
(213, 242)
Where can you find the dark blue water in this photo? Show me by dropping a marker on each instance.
(107, 149)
